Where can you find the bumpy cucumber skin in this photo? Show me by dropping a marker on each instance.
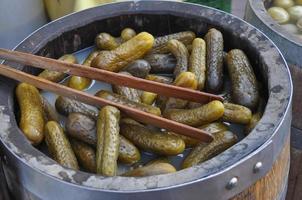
(222, 141)
(139, 68)
(214, 62)
(59, 146)
(151, 170)
(123, 100)
(181, 54)
(126, 53)
(85, 154)
(127, 34)
(186, 80)
(197, 62)
(50, 113)
(160, 79)
(58, 76)
(152, 141)
(105, 41)
(108, 141)
(244, 83)
(160, 43)
(32, 117)
(161, 63)
(83, 128)
(236, 113)
(130, 93)
(198, 116)
(211, 128)
(65, 106)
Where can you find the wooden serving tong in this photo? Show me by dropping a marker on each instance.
(109, 77)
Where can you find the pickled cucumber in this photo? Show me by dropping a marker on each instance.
(160, 79)
(181, 54)
(197, 62)
(130, 93)
(161, 63)
(244, 83)
(127, 34)
(126, 53)
(59, 146)
(222, 141)
(83, 128)
(123, 100)
(50, 113)
(65, 106)
(85, 154)
(152, 141)
(108, 141)
(186, 80)
(31, 109)
(105, 41)
(236, 113)
(198, 116)
(139, 68)
(151, 170)
(160, 43)
(211, 128)
(81, 83)
(214, 62)
(58, 76)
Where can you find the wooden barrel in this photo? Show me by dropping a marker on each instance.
(291, 47)
(254, 168)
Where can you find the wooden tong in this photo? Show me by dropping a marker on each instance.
(109, 77)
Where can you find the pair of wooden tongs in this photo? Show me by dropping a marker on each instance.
(109, 77)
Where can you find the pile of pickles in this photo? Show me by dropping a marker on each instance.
(288, 13)
(100, 139)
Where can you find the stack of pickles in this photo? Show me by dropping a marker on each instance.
(288, 13)
(98, 140)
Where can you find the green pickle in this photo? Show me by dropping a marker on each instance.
(151, 170)
(81, 83)
(105, 41)
(186, 80)
(124, 101)
(160, 79)
(65, 106)
(139, 68)
(152, 141)
(130, 93)
(59, 146)
(32, 115)
(85, 154)
(222, 141)
(197, 62)
(161, 63)
(211, 128)
(244, 83)
(214, 64)
(181, 54)
(108, 141)
(236, 113)
(198, 116)
(58, 76)
(117, 59)
(83, 128)
(127, 34)
(160, 43)
(50, 114)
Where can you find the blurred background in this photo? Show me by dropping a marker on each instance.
(20, 18)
